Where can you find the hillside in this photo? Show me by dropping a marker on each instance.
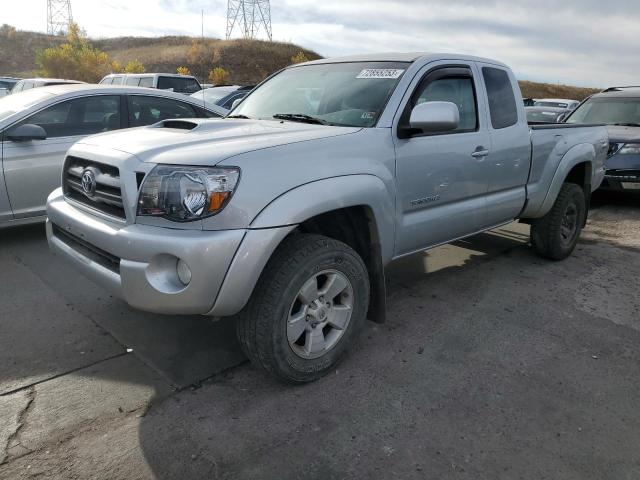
(247, 61)
(550, 90)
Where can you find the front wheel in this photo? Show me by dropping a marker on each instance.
(555, 235)
(306, 309)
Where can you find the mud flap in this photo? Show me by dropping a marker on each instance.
(378, 298)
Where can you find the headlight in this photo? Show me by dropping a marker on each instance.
(630, 149)
(183, 194)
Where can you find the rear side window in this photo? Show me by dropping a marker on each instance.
(146, 110)
(179, 84)
(146, 82)
(502, 102)
(132, 81)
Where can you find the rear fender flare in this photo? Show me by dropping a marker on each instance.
(581, 153)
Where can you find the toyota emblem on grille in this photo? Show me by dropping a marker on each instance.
(88, 182)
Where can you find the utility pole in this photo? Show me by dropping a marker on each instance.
(250, 16)
(58, 16)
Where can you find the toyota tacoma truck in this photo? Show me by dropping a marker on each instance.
(285, 213)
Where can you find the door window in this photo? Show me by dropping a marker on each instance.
(502, 102)
(455, 89)
(146, 110)
(80, 116)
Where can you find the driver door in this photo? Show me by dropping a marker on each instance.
(441, 176)
(32, 169)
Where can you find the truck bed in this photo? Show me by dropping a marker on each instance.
(551, 143)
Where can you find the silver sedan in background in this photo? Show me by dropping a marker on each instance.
(38, 126)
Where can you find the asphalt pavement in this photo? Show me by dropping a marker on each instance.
(493, 364)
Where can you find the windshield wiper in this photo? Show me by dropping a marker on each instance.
(237, 116)
(627, 124)
(300, 117)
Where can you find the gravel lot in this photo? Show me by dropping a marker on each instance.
(493, 364)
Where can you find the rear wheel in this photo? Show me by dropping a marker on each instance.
(308, 306)
(555, 235)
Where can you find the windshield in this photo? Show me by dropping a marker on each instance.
(611, 111)
(345, 94)
(17, 102)
(212, 95)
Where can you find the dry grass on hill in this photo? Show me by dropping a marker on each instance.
(248, 62)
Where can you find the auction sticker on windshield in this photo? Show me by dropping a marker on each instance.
(380, 73)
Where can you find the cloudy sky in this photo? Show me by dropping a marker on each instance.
(580, 42)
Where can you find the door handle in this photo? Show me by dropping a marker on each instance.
(480, 152)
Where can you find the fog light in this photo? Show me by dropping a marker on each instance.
(184, 272)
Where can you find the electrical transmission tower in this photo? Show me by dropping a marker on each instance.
(250, 16)
(58, 16)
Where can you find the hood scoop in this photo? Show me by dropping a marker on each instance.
(176, 124)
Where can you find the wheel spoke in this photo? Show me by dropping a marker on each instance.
(334, 285)
(339, 316)
(309, 291)
(296, 326)
(314, 341)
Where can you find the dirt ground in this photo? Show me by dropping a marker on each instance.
(493, 364)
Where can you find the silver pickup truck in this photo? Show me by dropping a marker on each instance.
(285, 213)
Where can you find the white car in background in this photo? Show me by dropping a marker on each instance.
(567, 104)
(38, 126)
(186, 84)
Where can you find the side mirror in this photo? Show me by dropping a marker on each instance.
(235, 103)
(562, 117)
(26, 132)
(435, 117)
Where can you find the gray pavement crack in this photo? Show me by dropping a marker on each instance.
(14, 438)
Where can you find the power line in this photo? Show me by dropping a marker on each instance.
(250, 16)
(58, 16)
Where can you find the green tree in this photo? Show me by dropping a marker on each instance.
(183, 71)
(75, 59)
(134, 66)
(219, 76)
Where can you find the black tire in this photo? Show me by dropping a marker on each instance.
(555, 235)
(262, 325)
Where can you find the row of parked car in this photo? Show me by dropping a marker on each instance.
(41, 118)
(619, 109)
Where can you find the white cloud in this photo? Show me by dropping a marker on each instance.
(574, 41)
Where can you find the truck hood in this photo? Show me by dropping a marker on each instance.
(619, 134)
(208, 141)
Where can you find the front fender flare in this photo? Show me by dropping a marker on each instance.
(321, 196)
(283, 214)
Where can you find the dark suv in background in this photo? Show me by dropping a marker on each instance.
(619, 108)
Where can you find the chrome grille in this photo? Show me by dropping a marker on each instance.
(101, 190)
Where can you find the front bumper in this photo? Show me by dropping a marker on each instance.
(627, 181)
(138, 262)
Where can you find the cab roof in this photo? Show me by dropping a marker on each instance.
(408, 57)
